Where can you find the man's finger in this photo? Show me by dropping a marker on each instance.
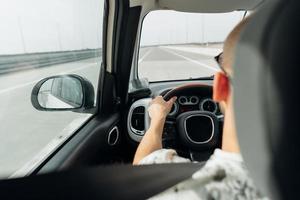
(172, 100)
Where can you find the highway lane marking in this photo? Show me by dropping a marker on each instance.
(191, 60)
(145, 55)
(35, 81)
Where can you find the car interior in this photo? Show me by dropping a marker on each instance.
(95, 162)
(113, 135)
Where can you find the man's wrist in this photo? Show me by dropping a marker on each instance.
(157, 122)
(157, 125)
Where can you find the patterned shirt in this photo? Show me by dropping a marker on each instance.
(223, 177)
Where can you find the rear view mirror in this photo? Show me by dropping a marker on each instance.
(64, 92)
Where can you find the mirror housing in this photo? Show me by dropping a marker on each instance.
(63, 93)
(139, 88)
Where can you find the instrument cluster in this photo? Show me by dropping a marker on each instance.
(191, 103)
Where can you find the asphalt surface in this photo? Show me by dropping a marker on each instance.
(26, 134)
(180, 62)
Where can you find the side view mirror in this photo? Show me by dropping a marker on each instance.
(63, 93)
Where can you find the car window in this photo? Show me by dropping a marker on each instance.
(176, 45)
(40, 39)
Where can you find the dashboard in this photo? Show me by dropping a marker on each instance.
(193, 99)
(193, 126)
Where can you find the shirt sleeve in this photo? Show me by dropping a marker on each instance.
(163, 156)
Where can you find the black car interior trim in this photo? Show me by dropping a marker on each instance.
(102, 182)
(84, 148)
(126, 31)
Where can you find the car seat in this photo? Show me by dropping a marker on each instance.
(266, 83)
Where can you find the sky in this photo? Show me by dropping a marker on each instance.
(29, 26)
(171, 27)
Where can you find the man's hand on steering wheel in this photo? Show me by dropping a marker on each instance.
(152, 140)
(159, 108)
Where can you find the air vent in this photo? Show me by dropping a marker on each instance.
(139, 110)
(138, 118)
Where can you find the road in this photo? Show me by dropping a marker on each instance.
(178, 62)
(26, 134)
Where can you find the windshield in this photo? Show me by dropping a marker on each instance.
(176, 45)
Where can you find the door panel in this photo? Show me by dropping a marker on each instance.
(88, 147)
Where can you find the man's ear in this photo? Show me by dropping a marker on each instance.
(221, 88)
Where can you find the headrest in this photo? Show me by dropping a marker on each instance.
(266, 83)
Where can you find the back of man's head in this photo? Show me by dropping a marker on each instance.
(230, 45)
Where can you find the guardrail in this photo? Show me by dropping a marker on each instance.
(13, 63)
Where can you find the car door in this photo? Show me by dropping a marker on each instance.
(47, 46)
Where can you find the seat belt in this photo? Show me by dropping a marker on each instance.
(105, 182)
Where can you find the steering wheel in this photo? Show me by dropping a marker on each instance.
(197, 131)
(180, 89)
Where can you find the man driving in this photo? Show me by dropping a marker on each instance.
(224, 175)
